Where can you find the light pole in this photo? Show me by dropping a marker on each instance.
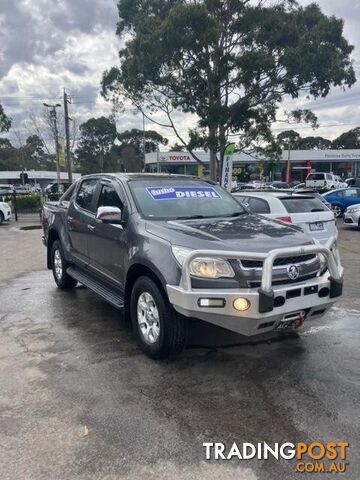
(56, 135)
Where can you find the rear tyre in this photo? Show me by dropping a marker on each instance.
(59, 266)
(1, 218)
(337, 210)
(159, 330)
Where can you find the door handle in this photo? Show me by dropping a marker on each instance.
(91, 228)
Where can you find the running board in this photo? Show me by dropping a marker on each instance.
(107, 293)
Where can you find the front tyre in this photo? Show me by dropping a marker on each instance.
(159, 330)
(59, 266)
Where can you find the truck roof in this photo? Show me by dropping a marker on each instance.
(144, 176)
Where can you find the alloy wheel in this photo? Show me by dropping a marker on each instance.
(58, 266)
(148, 318)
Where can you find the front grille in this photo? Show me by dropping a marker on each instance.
(279, 261)
(285, 281)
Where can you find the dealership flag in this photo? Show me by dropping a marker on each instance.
(226, 177)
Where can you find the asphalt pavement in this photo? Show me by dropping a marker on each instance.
(78, 399)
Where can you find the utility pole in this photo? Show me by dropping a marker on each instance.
(288, 165)
(56, 135)
(143, 141)
(67, 135)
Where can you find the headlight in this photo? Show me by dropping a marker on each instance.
(211, 268)
(353, 210)
(204, 267)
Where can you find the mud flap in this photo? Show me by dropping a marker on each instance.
(336, 287)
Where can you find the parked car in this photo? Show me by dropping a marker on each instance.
(6, 189)
(170, 248)
(243, 186)
(299, 186)
(353, 182)
(5, 212)
(305, 211)
(279, 185)
(352, 215)
(53, 187)
(342, 198)
(323, 181)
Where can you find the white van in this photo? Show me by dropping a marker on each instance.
(323, 181)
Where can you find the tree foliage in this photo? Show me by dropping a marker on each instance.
(5, 122)
(350, 139)
(94, 151)
(136, 137)
(230, 62)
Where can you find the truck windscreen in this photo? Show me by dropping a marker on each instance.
(163, 199)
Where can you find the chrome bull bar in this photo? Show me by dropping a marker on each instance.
(266, 293)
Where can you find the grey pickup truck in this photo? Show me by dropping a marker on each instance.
(171, 248)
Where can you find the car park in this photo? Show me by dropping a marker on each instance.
(352, 215)
(342, 198)
(170, 248)
(303, 210)
(5, 212)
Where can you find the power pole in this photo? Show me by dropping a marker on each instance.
(143, 142)
(67, 135)
(56, 135)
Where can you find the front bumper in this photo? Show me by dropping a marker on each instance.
(270, 306)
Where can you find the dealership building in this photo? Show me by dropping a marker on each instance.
(345, 163)
(33, 177)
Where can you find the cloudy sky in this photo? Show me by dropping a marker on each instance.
(46, 45)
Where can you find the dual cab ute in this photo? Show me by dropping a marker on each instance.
(169, 249)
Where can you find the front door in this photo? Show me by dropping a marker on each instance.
(107, 242)
(80, 216)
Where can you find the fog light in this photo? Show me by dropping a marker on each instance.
(211, 302)
(241, 304)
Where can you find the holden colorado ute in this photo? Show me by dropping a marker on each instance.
(171, 248)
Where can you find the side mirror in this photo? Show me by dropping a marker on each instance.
(109, 215)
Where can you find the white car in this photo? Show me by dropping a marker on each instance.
(5, 212)
(324, 181)
(352, 215)
(305, 211)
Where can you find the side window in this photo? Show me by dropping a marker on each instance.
(329, 176)
(358, 192)
(86, 194)
(350, 193)
(258, 205)
(109, 198)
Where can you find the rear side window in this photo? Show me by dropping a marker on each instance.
(86, 194)
(304, 205)
(316, 176)
(351, 193)
(258, 205)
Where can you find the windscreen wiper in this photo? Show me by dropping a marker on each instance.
(190, 217)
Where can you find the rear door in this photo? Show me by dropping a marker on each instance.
(315, 180)
(80, 215)
(107, 242)
(312, 215)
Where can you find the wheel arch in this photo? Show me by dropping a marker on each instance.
(137, 270)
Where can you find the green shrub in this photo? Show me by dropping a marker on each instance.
(27, 203)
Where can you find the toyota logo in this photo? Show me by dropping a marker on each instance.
(293, 272)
